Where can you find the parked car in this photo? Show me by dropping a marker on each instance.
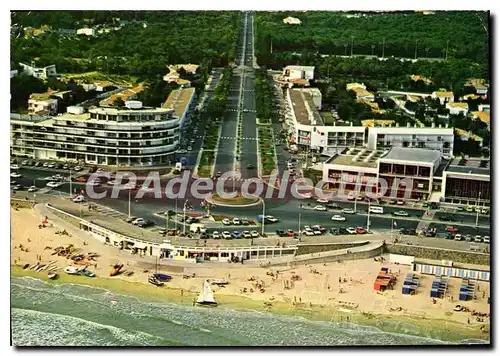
(360, 230)
(145, 223)
(450, 229)
(226, 221)
(469, 208)
(348, 211)
(332, 206)
(77, 168)
(291, 233)
(131, 219)
(486, 239)
(308, 232)
(319, 228)
(446, 218)
(82, 179)
(271, 219)
(78, 199)
(244, 221)
(246, 234)
(15, 175)
(218, 174)
(458, 237)
(17, 187)
(281, 233)
(431, 232)
(478, 238)
(400, 213)
(343, 231)
(32, 189)
(236, 221)
(137, 221)
(54, 184)
(468, 237)
(334, 231)
(236, 234)
(485, 211)
(351, 230)
(38, 164)
(226, 235)
(14, 166)
(459, 209)
(338, 218)
(322, 201)
(216, 235)
(320, 208)
(254, 234)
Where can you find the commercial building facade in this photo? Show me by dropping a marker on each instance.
(467, 181)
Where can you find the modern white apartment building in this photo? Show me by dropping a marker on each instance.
(307, 129)
(433, 138)
(298, 72)
(129, 136)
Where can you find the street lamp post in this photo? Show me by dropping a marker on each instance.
(70, 184)
(129, 203)
(263, 216)
(184, 220)
(299, 225)
(175, 214)
(477, 209)
(368, 217)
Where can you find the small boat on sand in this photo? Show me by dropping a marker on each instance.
(87, 273)
(154, 281)
(206, 297)
(116, 269)
(52, 275)
(26, 265)
(71, 270)
(162, 277)
(219, 282)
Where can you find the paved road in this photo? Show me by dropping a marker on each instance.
(249, 127)
(225, 159)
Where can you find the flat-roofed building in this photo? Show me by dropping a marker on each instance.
(352, 169)
(181, 101)
(308, 130)
(432, 138)
(403, 166)
(467, 181)
(41, 72)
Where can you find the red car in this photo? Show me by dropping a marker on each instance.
(319, 227)
(451, 229)
(360, 230)
(81, 179)
(290, 233)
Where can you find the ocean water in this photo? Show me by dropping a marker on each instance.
(75, 315)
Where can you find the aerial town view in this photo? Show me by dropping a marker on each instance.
(250, 178)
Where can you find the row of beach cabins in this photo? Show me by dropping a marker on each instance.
(386, 280)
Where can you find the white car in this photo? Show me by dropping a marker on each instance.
(190, 148)
(77, 168)
(51, 165)
(53, 184)
(111, 182)
(348, 211)
(138, 220)
(79, 199)
(351, 230)
(14, 166)
(236, 221)
(484, 211)
(478, 238)
(271, 219)
(99, 170)
(320, 208)
(254, 233)
(15, 175)
(226, 221)
(308, 232)
(246, 234)
(32, 189)
(215, 235)
(486, 239)
(322, 201)
(226, 235)
(45, 164)
(338, 218)
(400, 213)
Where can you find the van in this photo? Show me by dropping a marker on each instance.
(197, 228)
(376, 209)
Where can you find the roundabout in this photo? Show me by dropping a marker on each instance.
(239, 201)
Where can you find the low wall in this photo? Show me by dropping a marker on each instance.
(334, 258)
(304, 249)
(438, 254)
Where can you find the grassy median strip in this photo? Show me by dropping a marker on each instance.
(266, 149)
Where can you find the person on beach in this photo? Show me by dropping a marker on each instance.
(182, 292)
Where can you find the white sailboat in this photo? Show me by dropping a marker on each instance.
(206, 297)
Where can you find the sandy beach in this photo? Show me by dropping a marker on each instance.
(333, 291)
